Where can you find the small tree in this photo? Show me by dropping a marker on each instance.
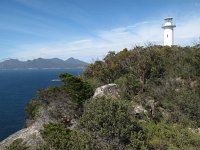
(77, 88)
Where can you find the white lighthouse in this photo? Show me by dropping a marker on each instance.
(168, 27)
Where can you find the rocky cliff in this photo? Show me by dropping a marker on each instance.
(31, 135)
(53, 105)
(58, 103)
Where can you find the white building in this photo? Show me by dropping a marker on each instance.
(168, 27)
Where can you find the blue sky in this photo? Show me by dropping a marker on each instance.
(88, 29)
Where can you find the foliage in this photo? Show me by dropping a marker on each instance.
(168, 136)
(32, 109)
(84, 141)
(79, 89)
(110, 119)
(69, 98)
(56, 136)
(168, 74)
(58, 103)
(17, 145)
(129, 85)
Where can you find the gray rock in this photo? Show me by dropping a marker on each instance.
(139, 109)
(194, 84)
(109, 90)
(30, 135)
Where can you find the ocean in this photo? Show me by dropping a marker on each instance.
(17, 88)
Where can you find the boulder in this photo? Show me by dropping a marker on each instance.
(194, 84)
(108, 90)
(139, 109)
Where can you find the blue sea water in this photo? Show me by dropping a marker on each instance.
(17, 88)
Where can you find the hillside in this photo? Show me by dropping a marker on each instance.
(146, 98)
(42, 63)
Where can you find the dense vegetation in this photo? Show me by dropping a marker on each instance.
(17, 145)
(163, 80)
(169, 75)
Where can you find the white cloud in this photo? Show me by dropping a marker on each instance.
(114, 39)
(189, 28)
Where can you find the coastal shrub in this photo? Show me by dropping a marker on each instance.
(32, 109)
(110, 119)
(56, 136)
(111, 68)
(138, 141)
(129, 86)
(177, 96)
(17, 145)
(83, 141)
(170, 136)
(143, 62)
(79, 89)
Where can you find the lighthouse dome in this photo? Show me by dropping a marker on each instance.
(168, 23)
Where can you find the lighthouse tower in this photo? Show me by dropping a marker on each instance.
(168, 27)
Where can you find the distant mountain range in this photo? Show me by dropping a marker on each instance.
(42, 63)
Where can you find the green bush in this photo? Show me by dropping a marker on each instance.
(170, 136)
(110, 119)
(129, 86)
(17, 145)
(83, 141)
(56, 136)
(32, 109)
(79, 89)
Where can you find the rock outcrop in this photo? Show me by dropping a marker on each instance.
(55, 106)
(108, 90)
(30, 135)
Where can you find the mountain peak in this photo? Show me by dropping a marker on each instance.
(74, 61)
(71, 58)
